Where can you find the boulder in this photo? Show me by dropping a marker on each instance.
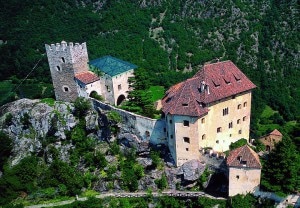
(191, 170)
(145, 162)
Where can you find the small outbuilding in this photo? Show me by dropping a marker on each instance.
(244, 171)
(271, 139)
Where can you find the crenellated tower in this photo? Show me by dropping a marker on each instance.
(65, 61)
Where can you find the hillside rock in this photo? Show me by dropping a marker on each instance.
(191, 170)
(29, 122)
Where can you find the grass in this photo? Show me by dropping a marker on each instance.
(89, 193)
(157, 92)
(48, 101)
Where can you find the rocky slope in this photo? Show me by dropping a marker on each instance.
(43, 130)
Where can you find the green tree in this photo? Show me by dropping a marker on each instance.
(281, 170)
(239, 143)
(82, 106)
(5, 148)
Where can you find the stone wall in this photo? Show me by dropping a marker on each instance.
(243, 180)
(147, 129)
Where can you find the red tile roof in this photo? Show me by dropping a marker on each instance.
(219, 80)
(243, 157)
(87, 77)
(275, 132)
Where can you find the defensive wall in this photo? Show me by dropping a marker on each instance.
(147, 129)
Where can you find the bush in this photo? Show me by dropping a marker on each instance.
(82, 106)
(96, 96)
(237, 144)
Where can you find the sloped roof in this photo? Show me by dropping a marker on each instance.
(87, 77)
(275, 132)
(243, 157)
(220, 80)
(111, 65)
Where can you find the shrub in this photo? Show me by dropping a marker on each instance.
(82, 106)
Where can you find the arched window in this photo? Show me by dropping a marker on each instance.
(63, 60)
(203, 136)
(58, 68)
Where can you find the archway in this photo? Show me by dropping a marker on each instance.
(120, 99)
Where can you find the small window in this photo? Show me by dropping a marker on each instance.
(203, 136)
(171, 136)
(230, 125)
(203, 120)
(240, 131)
(185, 104)
(225, 111)
(233, 97)
(168, 100)
(239, 106)
(107, 88)
(244, 118)
(187, 149)
(66, 89)
(186, 139)
(237, 177)
(245, 104)
(63, 59)
(147, 133)
(58, 68)
(238, 121)
(119, 87)
(219, 129)
(217, 141)
(165, 129)
(186, 123)
(170, 121)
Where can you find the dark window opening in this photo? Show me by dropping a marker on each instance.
(66, 89)
(58, 68)
(230, 125)
(187, 149)
(186, 123)
(225, 111)
(63, 59)
(219, 129)
(185, 104)
(186, 139)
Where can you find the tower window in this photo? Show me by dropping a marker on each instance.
(219, 129)
(225, 111)
(237, 177)
(58, 68)
(185, 104)
(119, 87)
(171, 136)
(244, 118)
(63, 60)
(239, 106)
(186, 123)
(245, 104)
(203, 136)
(186, 139)
(238, 121)
(240, 131)
(203, 120)
(66, 89)
(230, 125)
(187, 149)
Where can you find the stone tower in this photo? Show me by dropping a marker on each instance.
(65, 61)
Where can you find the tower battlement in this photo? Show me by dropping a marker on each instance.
(64, 46)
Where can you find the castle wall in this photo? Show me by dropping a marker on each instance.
(186, 137)
(121, 85)
(243, 180)
(239, 111)
(147, 129)
(64, 61)
(107, 88)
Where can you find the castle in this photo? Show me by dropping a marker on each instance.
(69, 66)
(210, 110)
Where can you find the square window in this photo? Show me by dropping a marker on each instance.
(245, 104)
(186, 139)
(66, 89)
(203, 120)
(187, 149)
(119, 87)
(244, 118)
(237, 177)
(240, 131)
(170, 121)
(219, 129)
(186, 123)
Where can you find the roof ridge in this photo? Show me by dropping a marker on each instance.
(217, 63)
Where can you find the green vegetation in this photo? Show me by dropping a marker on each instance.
(5, 148)
(48, 101)
(239, 143)
(82, 106)
(156, 92)
(281, 168)
(96, 96)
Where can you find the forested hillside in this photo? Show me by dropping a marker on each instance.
(171, 39)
